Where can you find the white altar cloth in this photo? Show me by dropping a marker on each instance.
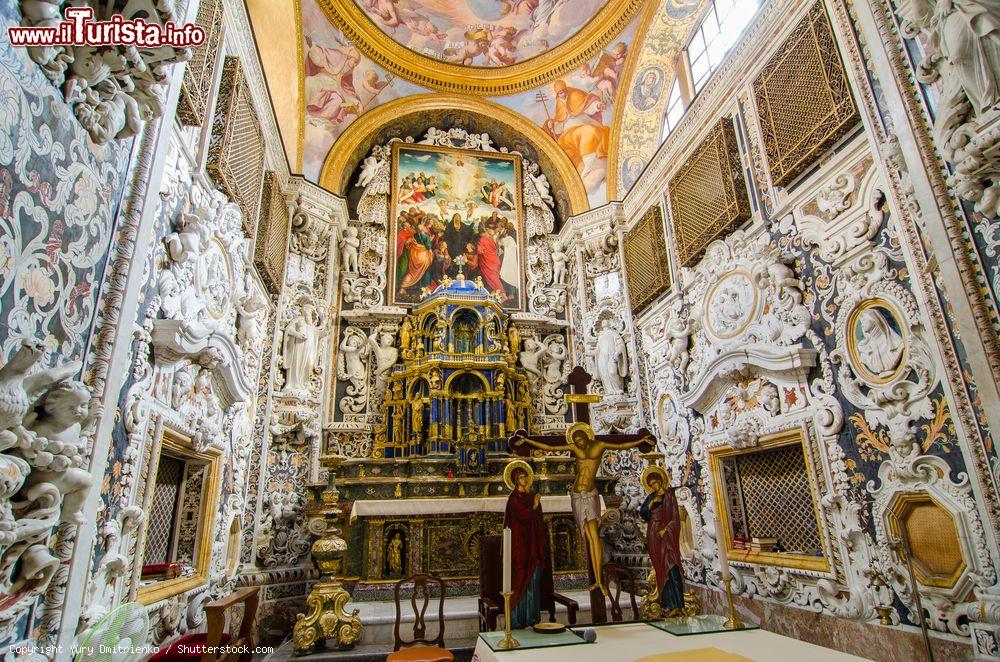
(408, 507)
(627, 643)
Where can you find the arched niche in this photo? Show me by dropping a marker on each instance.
(413, 115)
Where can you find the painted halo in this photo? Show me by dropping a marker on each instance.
(508, 473)
(649, 472)
(877, 341)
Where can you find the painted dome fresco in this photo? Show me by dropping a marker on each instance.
(481, 33)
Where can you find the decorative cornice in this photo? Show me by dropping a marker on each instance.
(485, 81)
(333, 176)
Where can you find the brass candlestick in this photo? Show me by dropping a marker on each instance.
(734, 621)
(508, 641)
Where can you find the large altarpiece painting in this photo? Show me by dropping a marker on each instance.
(449, 203)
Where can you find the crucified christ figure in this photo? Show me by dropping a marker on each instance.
(588, 451)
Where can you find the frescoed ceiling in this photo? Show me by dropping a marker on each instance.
(562, 71)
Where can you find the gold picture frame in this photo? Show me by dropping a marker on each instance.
(795, 436)
(515, 214)
(181, 446)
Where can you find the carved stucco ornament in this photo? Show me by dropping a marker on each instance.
(112, 89)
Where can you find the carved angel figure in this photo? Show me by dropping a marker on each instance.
(559, 259)
(530, 357)
(353, 351)
(349, 245)
(380, 343)
(65, 408)
(369, 170)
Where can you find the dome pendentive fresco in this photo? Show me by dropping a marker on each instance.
(576, 107)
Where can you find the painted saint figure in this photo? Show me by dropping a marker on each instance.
(531, 576)
(663, 537)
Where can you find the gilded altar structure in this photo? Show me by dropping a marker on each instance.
(432, 486)
(457, 392)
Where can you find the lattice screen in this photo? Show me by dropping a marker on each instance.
(236, 151)
(160, 527)
(708, 195)
(777, 498)
(272, 235)
(188, 525)
(199, 73)
(645, 250)
(803, 98)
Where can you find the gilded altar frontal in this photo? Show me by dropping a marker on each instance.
(500, 330)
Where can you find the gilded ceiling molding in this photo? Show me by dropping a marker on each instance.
(339, 165)
(485, 81)
(638, 130)
(622, 95)
(300, 56)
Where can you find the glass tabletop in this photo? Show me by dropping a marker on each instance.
(528, 639)
(701, 624)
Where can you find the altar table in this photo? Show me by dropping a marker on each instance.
(633, 641)
(450, 506)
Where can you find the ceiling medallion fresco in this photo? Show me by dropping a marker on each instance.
(481, 47)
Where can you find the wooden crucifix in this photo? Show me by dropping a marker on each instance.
(588, 451)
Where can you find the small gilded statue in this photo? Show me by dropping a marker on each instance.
(663, 537)
(394, 554)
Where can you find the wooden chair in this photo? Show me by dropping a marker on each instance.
(420, 648)
(490, 600)
(624, 580)
(202, 646)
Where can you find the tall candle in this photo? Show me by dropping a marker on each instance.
(506, 560)
(721, 539)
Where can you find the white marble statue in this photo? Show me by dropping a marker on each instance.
(879, 345)
(612, 359)
(191, 236)
(300, 350)
(786, 285)
(65, 408)
(353, 352)
(531, 356)
(541, 183)
(251, 314)
(380, 343)
(559, 259)
(968, 39)
(555, 354)
(349, 245)
(369, 170)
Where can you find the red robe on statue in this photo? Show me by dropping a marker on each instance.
(529, 543)
(489, 264)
